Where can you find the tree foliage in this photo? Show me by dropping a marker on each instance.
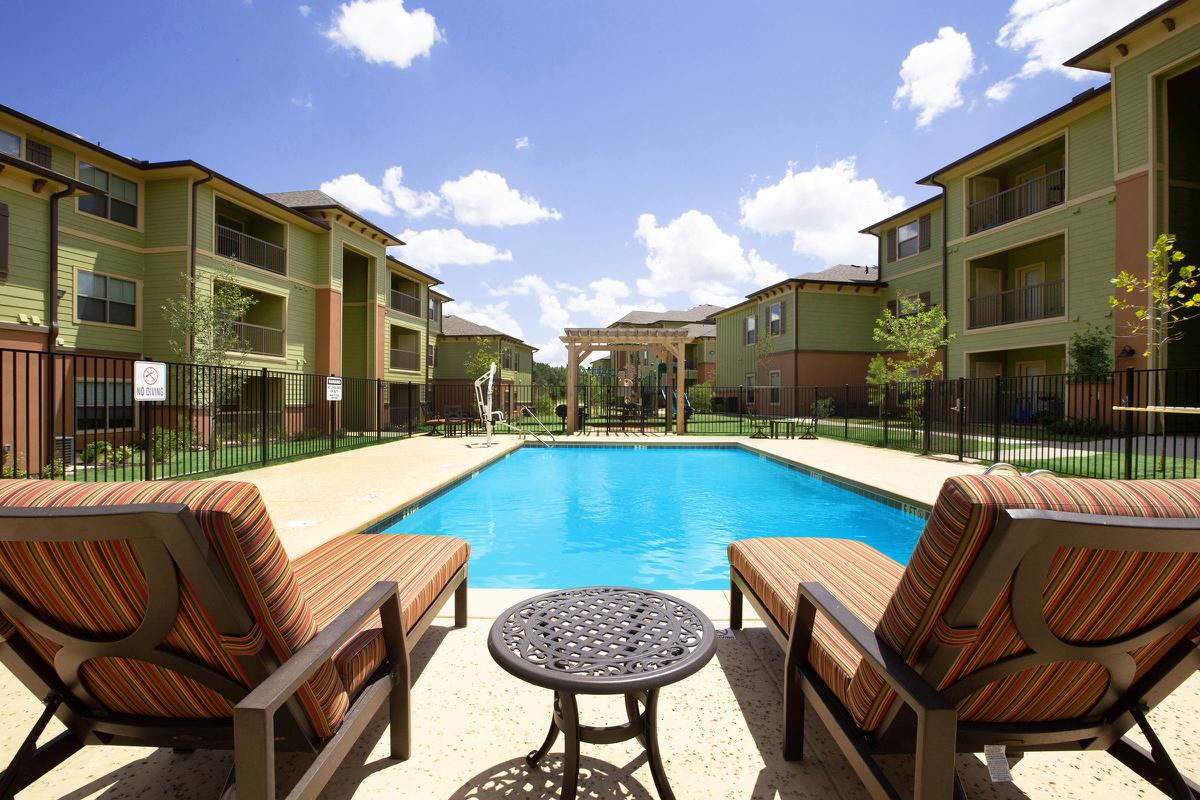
(481, 358)
(914, 332)
(203, 319)
(1091, 354)
(1160, 301)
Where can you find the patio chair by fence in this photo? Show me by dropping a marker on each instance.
(168, 615)
(1038, 613)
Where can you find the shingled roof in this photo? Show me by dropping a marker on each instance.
(845, 273)
(694, 314)
(457, 326)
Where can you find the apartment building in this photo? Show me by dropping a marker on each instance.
(458, 340)
(699, 359)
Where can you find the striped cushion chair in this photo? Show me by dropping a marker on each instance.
(167, 614)
(1037, 613)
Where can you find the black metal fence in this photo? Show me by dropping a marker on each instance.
(73, 416)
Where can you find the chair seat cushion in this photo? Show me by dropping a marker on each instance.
(337, 573)
(861, 578)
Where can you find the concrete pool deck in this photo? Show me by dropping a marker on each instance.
(473, 723)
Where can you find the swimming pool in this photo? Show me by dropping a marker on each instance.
(656, 517)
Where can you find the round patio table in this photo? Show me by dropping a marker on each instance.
(602, 640)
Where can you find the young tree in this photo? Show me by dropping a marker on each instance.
(915, 333)
(481, 358)
(203, 318)
(1161, 302)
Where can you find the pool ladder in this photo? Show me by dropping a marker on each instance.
(526, 411)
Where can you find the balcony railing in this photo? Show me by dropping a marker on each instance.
(405, 303)
(1039, 301)
(259, 339)
(250, 250)
(405, 359)
(1021, 200)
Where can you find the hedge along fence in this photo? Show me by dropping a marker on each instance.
(73, 416)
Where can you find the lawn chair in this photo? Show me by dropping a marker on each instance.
(1037, 613)
(167, 614)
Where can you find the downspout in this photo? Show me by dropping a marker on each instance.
(192, 258)
(52, 293)
(945, 281)
(796, 340)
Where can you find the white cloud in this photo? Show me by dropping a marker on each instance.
(414, 204)
(305, 102)
(1048, 32)
(384, 32)
(1000, 90)
(692, 254)
(494, 315)
(522, 143)
(304, 9)
(933, 73)
(439, 247)
(485, 198)
(360, 194)
(607, 300)
(823, 208)
(357, 193)
(554, 352)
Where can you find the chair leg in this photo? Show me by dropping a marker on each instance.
(460, 605)
(1156, 765)
(936, 740)
(32, 762)
(735, 606)
(793, 716)
(400, 709)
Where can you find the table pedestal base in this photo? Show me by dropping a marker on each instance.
(640, 707)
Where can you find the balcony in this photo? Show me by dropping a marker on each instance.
(250, 250)
(1030, 197)
(406, 359)
(1026, 304)
(405, 303)
(259, 339)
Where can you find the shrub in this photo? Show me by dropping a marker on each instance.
(1085, 428)
(95, 453)
(823, 407)
(1091, 354)
(54, 469)
(14, 468)
(167, 442)
(120, 455)
(307, 435)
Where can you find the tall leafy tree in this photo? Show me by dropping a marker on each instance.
(911, 337)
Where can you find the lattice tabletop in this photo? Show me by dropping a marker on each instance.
(602, 640)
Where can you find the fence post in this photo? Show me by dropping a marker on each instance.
(333, 421)
(997, 411)
(410, 408)
(883, 410)
(962, 410)
(148, 453)
(1128, 402)
(263, 417)
(846, 411)
(926, 403)
(378, 409)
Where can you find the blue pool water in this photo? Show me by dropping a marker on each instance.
(652, 517)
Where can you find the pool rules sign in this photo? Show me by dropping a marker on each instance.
(149, 381)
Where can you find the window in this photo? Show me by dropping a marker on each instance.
(435, 309)
(516, 361)
(38, 153)
(430, 355)
(775, 379)
(10, 144)
(750, 379)
(103, 404)
(506, 358)
(119, 201)
(908, 304)
(751, 329)
(775, 324)
(908, 237)
(101, 298)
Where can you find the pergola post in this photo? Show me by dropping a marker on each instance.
(680, 364)
(572, 386)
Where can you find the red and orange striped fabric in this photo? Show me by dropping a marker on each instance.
(335, 574)
(99, 589)
(1090, 595)
(862, 579)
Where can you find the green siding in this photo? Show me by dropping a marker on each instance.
(28, 257)
(166, 213)
(840, 321)
(1089, 156)
(1131, 85)
(917, 261)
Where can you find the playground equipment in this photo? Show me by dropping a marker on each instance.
(493, 418)
(687, 403)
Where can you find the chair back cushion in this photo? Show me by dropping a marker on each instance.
(1090, 595)
(98, 590)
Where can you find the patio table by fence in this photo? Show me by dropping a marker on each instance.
(602, 640)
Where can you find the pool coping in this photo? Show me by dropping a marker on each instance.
(904, 504)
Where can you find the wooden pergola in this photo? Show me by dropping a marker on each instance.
(667, 343)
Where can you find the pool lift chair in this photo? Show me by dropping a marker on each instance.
(495, 418)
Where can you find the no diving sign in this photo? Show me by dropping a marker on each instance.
(333, 389)
(149, 381)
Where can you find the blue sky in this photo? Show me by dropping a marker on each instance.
(561, 162)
